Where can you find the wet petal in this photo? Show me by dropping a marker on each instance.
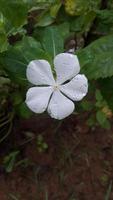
(39, 73)
(37, 98)
(66, 66)
(77, 88)
(60, 106)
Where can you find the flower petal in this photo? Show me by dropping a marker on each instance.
(66, 66)
(60, 106)
(39, 73)
(77, 88)
(37, 98)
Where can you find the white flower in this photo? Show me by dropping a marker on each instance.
(55, 95)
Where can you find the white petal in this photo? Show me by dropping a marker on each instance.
(60, 106)
(39, 73)
(66, 66)
(37, 98)
(77, 88)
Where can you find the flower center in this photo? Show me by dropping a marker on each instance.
(56, 87)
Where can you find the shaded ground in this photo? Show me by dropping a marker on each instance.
(78, 164)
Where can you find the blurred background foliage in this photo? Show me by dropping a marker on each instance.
(28, 30)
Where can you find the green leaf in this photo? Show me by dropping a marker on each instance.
(110, 4)
(3, 36)
(97, 59)
(32, 49)
(101, 117)
(3, 42)
(44, 19)
(83, 22)
(52, 41)
(105, 15)
(102, 66)
(55, 8)
(102, 120)
(14, 64)
(104, 21)
(16, 59)
(14, 11)
(64, 29)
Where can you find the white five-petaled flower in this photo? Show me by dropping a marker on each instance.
(56, 96)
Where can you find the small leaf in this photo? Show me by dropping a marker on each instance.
(101, 117)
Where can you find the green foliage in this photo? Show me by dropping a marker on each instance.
(45, 19)
(48, 16)
(52, 41)
(85, 12)
(104, 21)
(96, 59)
(15, 61)
(102, 120)
(3, 35)
(14, 11)
(3, 42)
(110, 4)
(83, 22)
